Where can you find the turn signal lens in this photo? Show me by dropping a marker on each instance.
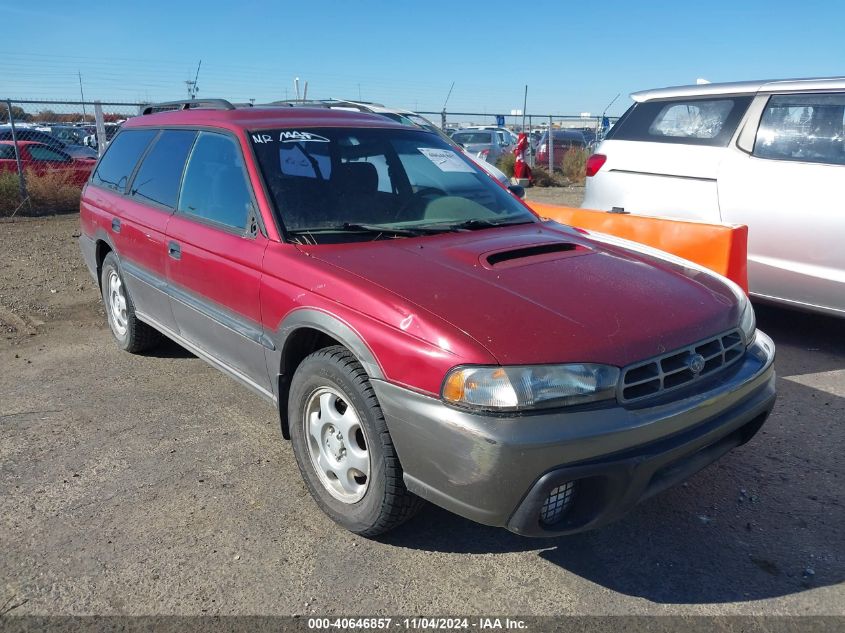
(453, 388)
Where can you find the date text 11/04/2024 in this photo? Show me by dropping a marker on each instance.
(422, 623)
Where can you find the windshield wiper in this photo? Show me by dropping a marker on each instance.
(475, 223)
(355, 227)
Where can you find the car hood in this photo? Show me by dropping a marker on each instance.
(544, 293)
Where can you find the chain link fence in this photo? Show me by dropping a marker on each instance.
(48, 149)
(557, 144)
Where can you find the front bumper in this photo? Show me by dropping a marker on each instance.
(499, 470)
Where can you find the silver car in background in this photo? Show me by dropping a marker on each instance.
(768, 154)
(488, 145)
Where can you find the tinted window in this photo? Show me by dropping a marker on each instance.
(7, 152)
(709, 121)
(468, 138)
(806, 128)
(161, 172)
(41, 152)
(121, 157)
(215, 185)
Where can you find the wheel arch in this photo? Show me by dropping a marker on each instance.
(305, 331)
(102, 247)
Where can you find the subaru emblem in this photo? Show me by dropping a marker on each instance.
(696, 363)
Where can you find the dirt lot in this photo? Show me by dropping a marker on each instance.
(154, 484)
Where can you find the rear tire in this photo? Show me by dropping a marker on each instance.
(131, 334)
(342, 445)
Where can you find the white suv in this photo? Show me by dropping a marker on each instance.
(769, 154)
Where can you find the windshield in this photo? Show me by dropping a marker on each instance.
(335, 184)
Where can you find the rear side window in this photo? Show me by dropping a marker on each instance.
(7, 152)
(710, 121)
(215, 186)
(42, 152)
(804, 128)
(120, 159)
(161, 172)
(468, 138)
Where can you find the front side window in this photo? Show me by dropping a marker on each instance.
(159, 176)
(335, 185)
(690, 121)
(7, 152)
(122, 155)
(40, 152)
(805, 128)
(215, 186)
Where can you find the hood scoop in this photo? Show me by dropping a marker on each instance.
(535, 253)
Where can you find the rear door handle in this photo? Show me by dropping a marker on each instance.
(174, 250)
(115, 225)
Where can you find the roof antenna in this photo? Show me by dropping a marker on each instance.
(192, 85)
(448, 95)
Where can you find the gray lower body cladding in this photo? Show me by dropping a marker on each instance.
(500, 470)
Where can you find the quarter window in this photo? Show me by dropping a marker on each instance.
(805, 128)
(687, 121)
(120, 159)
(161, 172)
(215, 186)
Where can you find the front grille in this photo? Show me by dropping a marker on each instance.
(680, 367)
(557, 503)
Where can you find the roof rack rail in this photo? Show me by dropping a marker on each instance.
(326, 103)
(187, 104)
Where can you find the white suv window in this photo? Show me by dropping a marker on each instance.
(805, 128)
(697, 119)
(688, 121)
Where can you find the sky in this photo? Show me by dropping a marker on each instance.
(574, 56)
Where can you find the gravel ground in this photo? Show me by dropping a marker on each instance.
(155, 485)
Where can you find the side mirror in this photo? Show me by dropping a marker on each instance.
(517, 190)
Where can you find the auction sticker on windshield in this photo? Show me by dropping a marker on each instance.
(445, 159)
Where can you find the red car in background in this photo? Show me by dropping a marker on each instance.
(564, 140)
(43, 160)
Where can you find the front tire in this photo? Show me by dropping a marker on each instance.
(342, 445)
(131, 334)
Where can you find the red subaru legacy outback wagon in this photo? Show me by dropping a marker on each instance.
(423, 334)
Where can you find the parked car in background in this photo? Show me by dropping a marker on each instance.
(563, 140)
(768, 154)
(43, 159)
(110, 128)
(509, 135)
(488, 145)
(37, 136)
(69, 135)
(421, 331)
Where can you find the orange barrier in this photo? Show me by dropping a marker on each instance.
(722, 248)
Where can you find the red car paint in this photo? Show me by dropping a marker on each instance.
(423, 305)
(77, 169)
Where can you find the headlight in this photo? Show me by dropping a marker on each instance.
(747, 322)
(529, 387)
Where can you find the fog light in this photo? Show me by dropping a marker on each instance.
(557, 503)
